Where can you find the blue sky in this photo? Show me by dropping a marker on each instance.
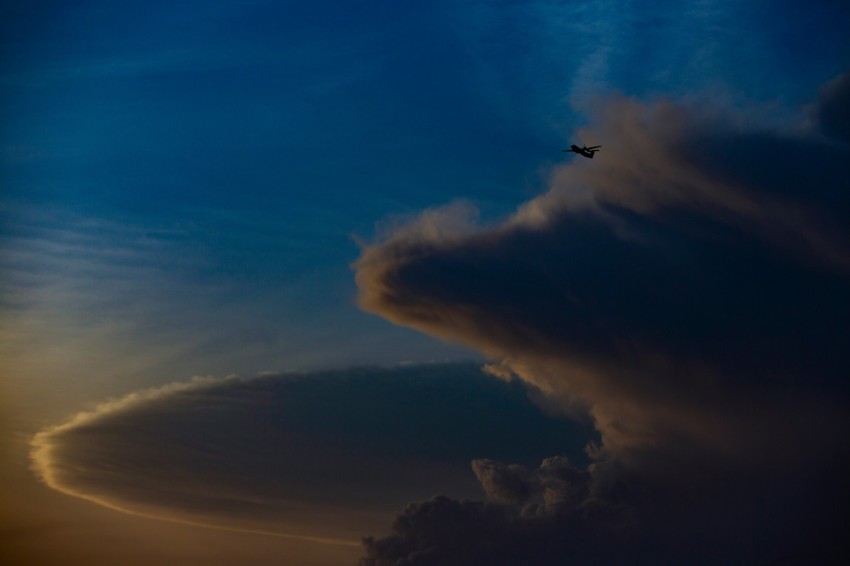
(184, 184)
(220, 156)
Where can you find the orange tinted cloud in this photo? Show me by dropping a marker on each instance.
(323, 457)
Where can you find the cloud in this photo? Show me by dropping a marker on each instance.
(832, 111)
(449, 532)
(557, 482)
(689, 292)
(534, 516)
(324, 456)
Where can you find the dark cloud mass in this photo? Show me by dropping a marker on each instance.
(328, 455)
(690, 291)
(833, 108)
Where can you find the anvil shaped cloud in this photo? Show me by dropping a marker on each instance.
(326, 456)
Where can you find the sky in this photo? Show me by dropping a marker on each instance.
(313, 283)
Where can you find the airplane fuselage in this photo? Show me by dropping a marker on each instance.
(584, 150)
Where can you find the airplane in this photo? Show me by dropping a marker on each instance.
(584, 150)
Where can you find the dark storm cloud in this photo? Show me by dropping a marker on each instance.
(558, 481)
(531, 517)
(318, 455)
(690, 291)
(833, 109)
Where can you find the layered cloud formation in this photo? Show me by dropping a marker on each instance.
(690, 291)
(324, 456)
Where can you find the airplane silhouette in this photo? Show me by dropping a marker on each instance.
(584, 150)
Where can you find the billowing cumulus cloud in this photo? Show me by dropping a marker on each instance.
(325, 456)
(689, 289)
(533, 516)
